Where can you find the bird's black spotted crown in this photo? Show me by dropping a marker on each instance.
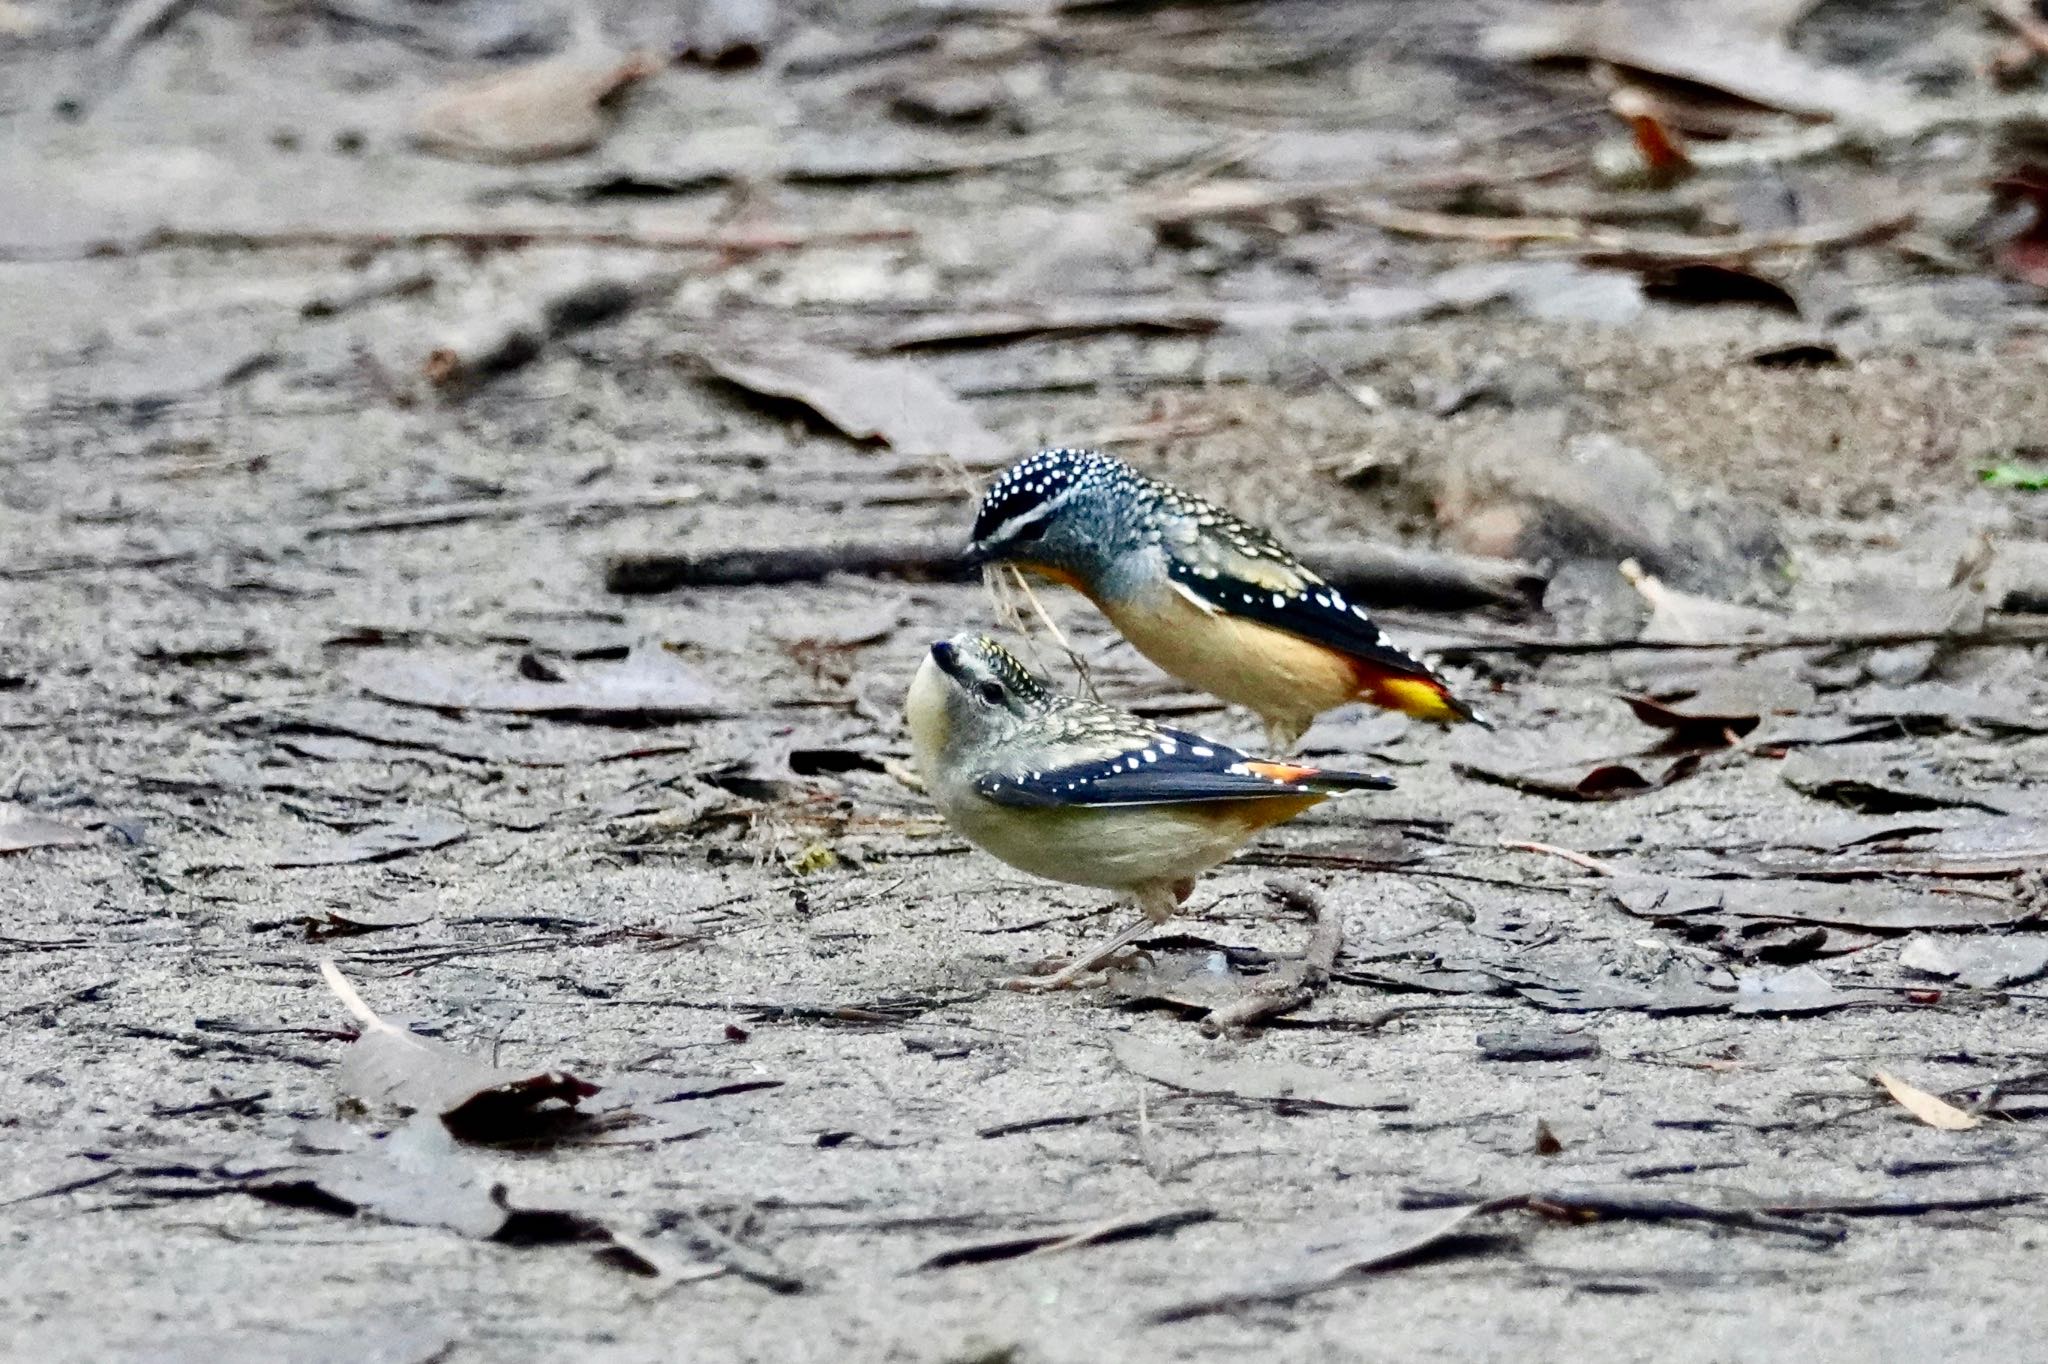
(1037, 479)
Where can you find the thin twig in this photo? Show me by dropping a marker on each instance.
(746, 1261)
(1577, 859)
(1052, 627)
(1295, 983)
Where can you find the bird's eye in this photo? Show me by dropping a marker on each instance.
(993, 693)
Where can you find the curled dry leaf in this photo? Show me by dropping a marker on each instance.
(417, 1176)
(1711, 709)
(473, 1099)
(1928, 1108)
(531, 113)
(727, 34)
(1339, 1255)
(1878, 786)
(1055, 1240)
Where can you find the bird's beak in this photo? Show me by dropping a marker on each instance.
(977, 555)
(947, 657)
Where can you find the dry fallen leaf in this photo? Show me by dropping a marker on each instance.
(20, 831)
(1687, 617)
(473, 1099)
(1935, 1112)
(650, 685)
(420, 831)
(892, 401)
(1600, 779)
(1738, 48)
(531, 113)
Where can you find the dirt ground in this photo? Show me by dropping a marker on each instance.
(248, 515)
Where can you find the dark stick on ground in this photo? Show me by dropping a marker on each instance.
(1623, 1206)
(1372, 573)
(1297, 982)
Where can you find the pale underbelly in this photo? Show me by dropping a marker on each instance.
(1118, 847)
(1269, 671)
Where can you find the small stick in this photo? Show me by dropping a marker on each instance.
(1577, 859)
(1059, 637)
(1372, 573)
(1295, 983)
(351, 1000)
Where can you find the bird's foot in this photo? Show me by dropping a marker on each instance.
(1068, 977)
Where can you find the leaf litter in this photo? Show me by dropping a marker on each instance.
(423, 831)
(1280, 1082)
(1928, 1108)
(650, 685)
(396, 1067)
(24, 830)
(889, 401)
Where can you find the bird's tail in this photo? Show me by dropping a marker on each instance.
(1321, 780)
(1425, 698)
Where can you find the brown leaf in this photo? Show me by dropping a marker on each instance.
(473, 1099)
(531, 113)
(1934, 1111)
(418, 1177)
(727, 34)
(21, 831)
(1063, 317)
(891, 401)
(649, 686)
(1722, 706)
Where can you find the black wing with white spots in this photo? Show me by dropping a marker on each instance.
(1230, 565)
(1089, 756)
(1314, 610)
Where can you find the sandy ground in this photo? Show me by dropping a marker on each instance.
(227, 514)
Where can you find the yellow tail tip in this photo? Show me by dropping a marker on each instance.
(1423, 699)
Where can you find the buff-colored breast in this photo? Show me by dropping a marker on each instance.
(1283, 677)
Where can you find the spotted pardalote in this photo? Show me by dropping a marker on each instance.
(1076, 791)
(1213, 600)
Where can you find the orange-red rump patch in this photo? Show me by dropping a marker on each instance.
(1287, 772)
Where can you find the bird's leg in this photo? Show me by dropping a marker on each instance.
(1283, 735)
(1158, 903)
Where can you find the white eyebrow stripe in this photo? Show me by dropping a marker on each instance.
(1019, 521)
